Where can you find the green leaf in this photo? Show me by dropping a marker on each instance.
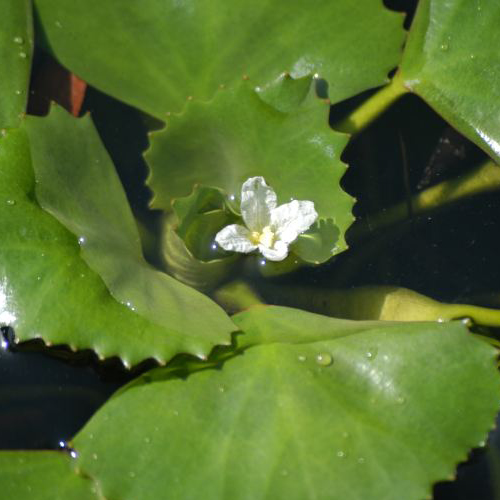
(77, 184)
(42, 475)
(154, 54)
(314, 408)
(16, 46)
(46, 288)
(237, 136)
(453, 62)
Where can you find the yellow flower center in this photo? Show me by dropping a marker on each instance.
(264, 237)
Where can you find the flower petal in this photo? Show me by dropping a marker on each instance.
(235, 238)
(278, 252)
(257, 201)
(291, 219)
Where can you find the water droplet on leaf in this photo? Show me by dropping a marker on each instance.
(19, 40)
(324, 359)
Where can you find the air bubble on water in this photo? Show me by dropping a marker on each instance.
(444, 47)
(19, 40)
(222, 388)
(301, 358)
(213, 246)
(232, 197)
(262, 262)
(341, 454)
(324, 359)
(400, 400)
(18, 92)
(94, 456)
(11, 202)
(23, 55)
(82, 240)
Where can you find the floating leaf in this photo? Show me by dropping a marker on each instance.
(77, 183)
(43, 475)
(46, 288)
(236, 136)
(314, 408)
(16, 46)
(452, 61)
(156, 53)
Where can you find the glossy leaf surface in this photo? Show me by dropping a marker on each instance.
(42, 475)
(296, 152)
(313, 408)
(46, 288)
(452, 61)
(16, 46)
(154, 54)
(77, 183)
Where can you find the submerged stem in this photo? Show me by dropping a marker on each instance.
(479, 180)
(362, 116)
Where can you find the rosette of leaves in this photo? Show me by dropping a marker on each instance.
(188, 247)
(279, 132)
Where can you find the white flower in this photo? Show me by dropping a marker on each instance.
(269, 228)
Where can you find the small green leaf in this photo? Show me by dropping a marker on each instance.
(43, 475)
(16, 47)
(154, 54)
(183, 265)
(453, 62)
(313, 408)
(236, 136)
(317, 244)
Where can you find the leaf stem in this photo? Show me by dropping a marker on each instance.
(362, 116)
(479, 180)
